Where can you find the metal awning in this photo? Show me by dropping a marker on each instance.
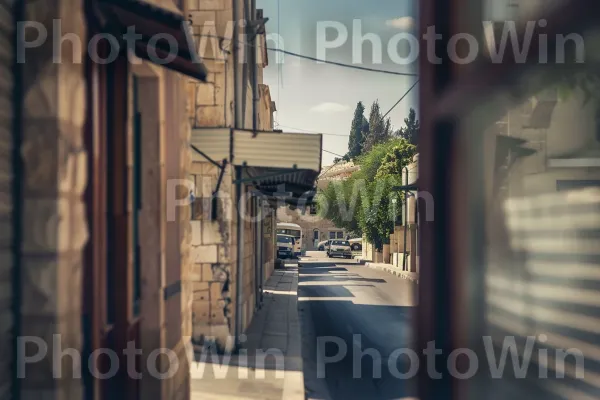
(282, 166)
(413, 187)
(150, 19)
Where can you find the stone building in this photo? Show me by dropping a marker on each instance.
(239, 166)
(89, 260)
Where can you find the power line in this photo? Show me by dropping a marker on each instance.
(331, 152)
(304, 56)
(339, 64)
(330, 167)
(401, 98)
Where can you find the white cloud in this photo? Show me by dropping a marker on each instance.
(329, 108)
(403, 23)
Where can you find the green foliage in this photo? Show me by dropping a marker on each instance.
(410, 131)
(382, 168)
(355, 142)
(395, 159)
(364, 204)
(335, 196)
(380, 129)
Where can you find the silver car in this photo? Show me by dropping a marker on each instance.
(340, 248)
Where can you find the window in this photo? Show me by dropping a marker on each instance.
(340, 235)
(315, 235)
(313, 210)
(340, 243)
(520, 179)
(292, 232)
(285, 239)
(331, 235)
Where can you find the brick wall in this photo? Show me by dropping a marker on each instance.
(6, 201)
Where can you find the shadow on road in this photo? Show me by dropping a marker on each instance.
(355, 347)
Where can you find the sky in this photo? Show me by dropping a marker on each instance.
(321, 98)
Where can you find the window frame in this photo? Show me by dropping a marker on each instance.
(448, 313)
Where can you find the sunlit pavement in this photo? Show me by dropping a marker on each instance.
(364, 309)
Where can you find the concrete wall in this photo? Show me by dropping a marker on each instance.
(6, 197)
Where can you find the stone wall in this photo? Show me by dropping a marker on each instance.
(214, 243)
(212, 257)
(54, 179)
(212, 102)
(309, 224)
(6, 197)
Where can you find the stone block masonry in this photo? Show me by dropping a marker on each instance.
(212, 263)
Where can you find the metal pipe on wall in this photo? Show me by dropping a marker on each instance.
(256, 222)
(237, 85)
(239, 301)
(254, 66)
(405, 219)
(238, 123)
(261, 258)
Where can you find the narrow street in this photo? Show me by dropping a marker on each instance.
(349, 305)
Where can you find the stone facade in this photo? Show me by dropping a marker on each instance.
(214, 242)
(52, 213)
(6, 198)
(54, 177)
(310, 224)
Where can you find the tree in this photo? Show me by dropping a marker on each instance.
(395, 159)
(382, 169)
(379, 129)
(336, 195)
(364, 203)
(355, 143)
(410, 132)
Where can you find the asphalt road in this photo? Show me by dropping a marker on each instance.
(347, 310)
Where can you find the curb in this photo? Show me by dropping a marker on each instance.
(393, 271)
(293, 381)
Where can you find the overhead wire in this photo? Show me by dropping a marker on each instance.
(319, 60)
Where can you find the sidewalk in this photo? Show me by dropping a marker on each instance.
(389, 268)
(275, 329)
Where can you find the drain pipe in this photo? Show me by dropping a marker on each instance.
(237, 124)
(254, 66)
(251, 17)
(239, 301)
(405, 218)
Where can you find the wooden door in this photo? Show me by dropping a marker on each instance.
(123, 230)
(98, 305)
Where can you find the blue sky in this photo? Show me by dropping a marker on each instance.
(321, 97)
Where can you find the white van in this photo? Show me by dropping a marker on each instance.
(285, 246)
(285, 228)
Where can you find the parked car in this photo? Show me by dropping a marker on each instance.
(324, 245)
(339, 248)
(356, 244)
(285, 246)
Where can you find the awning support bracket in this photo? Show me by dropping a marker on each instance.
(214, 201)
(215, 205)
(210, 160)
